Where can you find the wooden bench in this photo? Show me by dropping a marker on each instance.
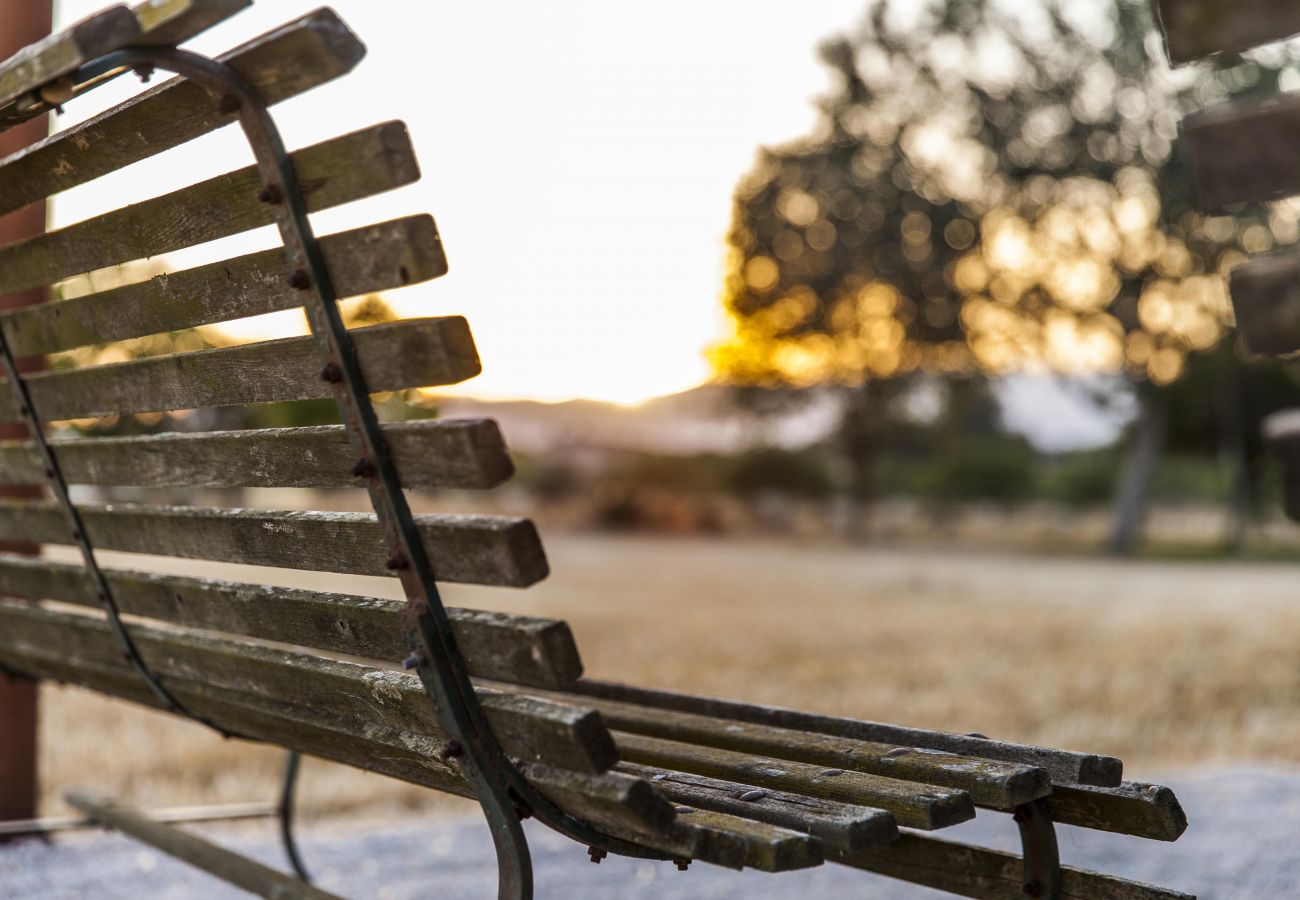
(1245, 153)
(471, 702)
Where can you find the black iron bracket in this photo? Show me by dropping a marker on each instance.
(502, 790)
(1041, 855)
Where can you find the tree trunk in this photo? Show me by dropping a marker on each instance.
(1133, 490)
(860, 439)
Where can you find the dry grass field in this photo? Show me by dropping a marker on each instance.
(1163, 664)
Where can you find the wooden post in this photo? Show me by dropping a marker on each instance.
(22, 24)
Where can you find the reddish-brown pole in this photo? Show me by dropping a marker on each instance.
(22, 22)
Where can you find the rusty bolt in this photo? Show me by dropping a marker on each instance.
(397, 563)
(1023, 814)
(229, 104)
(596, 854)
(413, 661)
(364, 468)
(144, 71)
(450, 750)
(331, 373)
(270, 194)
(682, 864)
(300, 280)
(1031, 889)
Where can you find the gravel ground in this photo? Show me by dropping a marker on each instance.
(1232, 850)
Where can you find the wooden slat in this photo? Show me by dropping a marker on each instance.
(509, 648)
(307, 52)
(63, 53)
(496, 550)
(394, 355)
(1135, 807)
(768, 848)
(458, 453)
(375, 258)
(528, 727)
(990, 783)
(1242, 153)
(171, 22)
(913, 805)
(971, 871)
(332, 173)
(841, 827)
(1196, 28)
(239, 870)
(1266, 301)
(1064, 766)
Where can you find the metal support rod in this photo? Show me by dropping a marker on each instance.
(175, 815)
(288, 791)
(504, 793)
(1042, 858)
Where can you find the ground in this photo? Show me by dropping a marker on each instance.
(1175, 667)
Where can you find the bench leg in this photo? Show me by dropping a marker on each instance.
(1040, 853)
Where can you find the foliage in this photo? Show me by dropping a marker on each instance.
(991, 186)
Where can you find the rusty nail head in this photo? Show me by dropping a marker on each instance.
(596, 854)
(364, 468)
(682, 864)
(397, 563)
(331, 373)
(1031, 889)
(144, 71)
(300, 280)
(1022, 814)
(270, 194)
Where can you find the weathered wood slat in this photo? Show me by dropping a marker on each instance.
(841, 827)
(1266, 301)
(1241, 153)
(169, 22)
(612, 801)
(768, 848)
(62, 53)
(1064, 766)
(971, 871)
(471, 549)
(991, 783)
(509, 648)
(1196, 28)
(1135, 807)
(294, 58)
(528, 727)
(239, 870)
(332, 173)
(394, 355)
(916, 806)
(458, 453)
(376, 258)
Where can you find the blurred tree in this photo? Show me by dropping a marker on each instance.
(991, 186)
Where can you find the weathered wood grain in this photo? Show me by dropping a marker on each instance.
(1266, 301)
(376, 258)
(1135, 807)
(1241, 153)
(237, 869)
(290, 60)
(1064, 766)
(840, 827)
(1196, 28)
(990, 783)
(457, 453)
(528, 727)
(394, 355)
(768, 848)
(916, 806)
(337, 171)
(496, 550)
(171, 22)
(971, 871)
(509, 648)
(62, 53)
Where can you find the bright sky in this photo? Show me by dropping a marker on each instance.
(579, 157)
